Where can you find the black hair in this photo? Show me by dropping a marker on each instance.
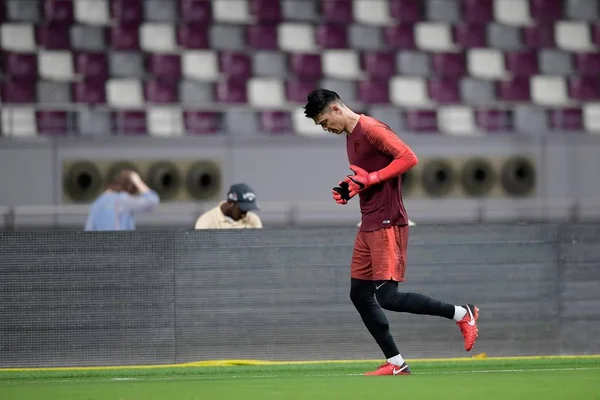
(318, 100)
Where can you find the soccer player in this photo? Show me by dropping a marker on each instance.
(378, 158)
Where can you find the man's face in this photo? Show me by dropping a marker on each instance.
(236, 212)
(331, 120)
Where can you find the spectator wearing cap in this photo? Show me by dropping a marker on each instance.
(235, 213)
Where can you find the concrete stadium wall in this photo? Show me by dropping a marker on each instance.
(151, 297)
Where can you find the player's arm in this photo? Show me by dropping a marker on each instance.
(386, 142)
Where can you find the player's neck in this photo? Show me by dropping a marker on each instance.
(352, 122)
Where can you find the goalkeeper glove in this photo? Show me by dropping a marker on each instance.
(361, 180)
(341, 193)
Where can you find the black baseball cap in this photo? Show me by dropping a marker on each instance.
(244, 196)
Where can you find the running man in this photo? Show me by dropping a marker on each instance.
(378, 158)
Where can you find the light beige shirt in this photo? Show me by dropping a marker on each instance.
(215, 219)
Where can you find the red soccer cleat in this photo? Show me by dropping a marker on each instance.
(468, 326)
(390, 369)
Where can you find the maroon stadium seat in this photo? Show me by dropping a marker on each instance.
(231, 91)
(494, 120)
(161, 91)
(91, 65)
(263, 37)
(266, 10)
(374, 91)
(539, 36)
(588, 63)
(58, 11)
(406, 10)
(53, 36)
(127, 12)
(54, 123)
(90, 91)
(21, 65)
(201, 122)
(279, 122)
(421, 120)
(584, 88)
(400, 36)
(337, 11)
(444, 90)
(306, 65)
(124, 37)
(596, 34)
(129, 122)
(449, 64)
(298, 90)
(198, 11)
(566, 119)
(235, 65)
(166, 67)
(470, 35)
(332, 36)
(192, 36)
(516, 89)
(480, 11)
(521, 63)
(546, 10)
(379, 64)
(19, 91)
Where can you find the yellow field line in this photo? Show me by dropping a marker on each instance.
(230, 363)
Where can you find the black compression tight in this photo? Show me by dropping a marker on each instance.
(371, 297)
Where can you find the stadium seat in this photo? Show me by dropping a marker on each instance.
(166, 67)
(573, 36)
(300, 10)
(263, 37)
(408, 91)
(306, 66)
(164, 121)
(231, 11)
(539, 36)
(297, 90)
(588, 63)
(478, 11)
(201, 122)
(202, 65)
(546, 10)
(516, 89)
(157, 37)
(265, 92)
(18, 37)
(582, 10)
(555, 62)
(235, 65)
(271, 64)
(227, 37)
(456, 120)
(339, 11)
(433, 36)
(53, 37)
(195, 93)
(421, 121)
(494, 120)
(89, 92)
(379, 64)
(443, 90)
(160, 11)
(55, 65)
(126, 12)
(400, 36)
(124, 93)
(332, 36)
(91, 66)
(341, 64)
(406, 10)
(22, 11)
(265, 10)
(296, 37)
(55, 123)
(88, 38)
(371, 12)
(416, 63)
(60, 11)
(471, 35)
(584, 88)
(161, 91)
(442, 10)
(276, 122)
(374, 92)
(21, 65)
(192, 36)
(364, 37)
(477, 91)
(54, 92)
(231, 91)
(449, 64)
(570, 119)
(512, 12)
(18, 121)
(19, 91)
(196, 11)
(591, 117)
(124, 38)
(92, 12)
(521, 63)
(129, 122)
(548, 90)
(486, 64)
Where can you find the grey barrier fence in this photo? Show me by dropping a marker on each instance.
(152, 297)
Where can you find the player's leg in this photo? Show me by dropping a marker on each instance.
(389, 252)
(362, 294)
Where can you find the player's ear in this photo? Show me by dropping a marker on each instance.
(336, 109)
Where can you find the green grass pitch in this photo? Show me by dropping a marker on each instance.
(544, 378)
